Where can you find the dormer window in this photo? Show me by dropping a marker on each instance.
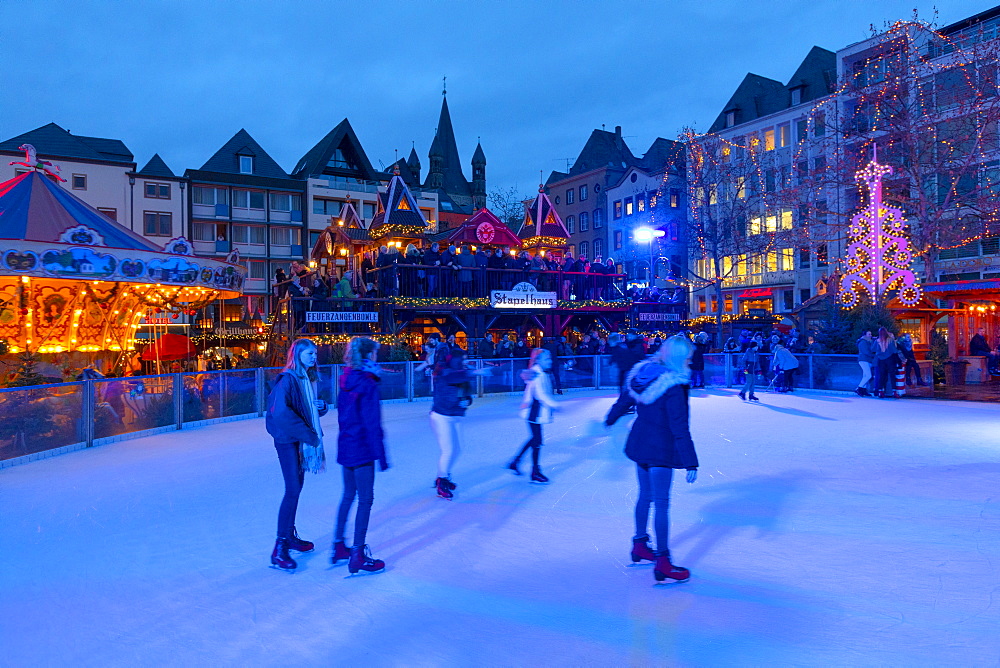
(797, 95)
(246, 164)
(731, 118)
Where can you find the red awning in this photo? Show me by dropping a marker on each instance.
(170, 347)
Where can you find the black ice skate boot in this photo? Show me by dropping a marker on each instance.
(666, 573)
(361, 560)
(340, 553)
(537, 477)
(280, 558)
(753, 397)
(444, 488)
(512, 466)
(641, 549)
(297, 544)
(743, 396)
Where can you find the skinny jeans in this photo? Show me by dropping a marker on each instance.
(885, 375)
(534, 444)
(448, 432)
(288, 458)
(866, 373)
(654, 487)
(359, 481)
(750, 382)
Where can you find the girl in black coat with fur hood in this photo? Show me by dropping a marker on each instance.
(659, 442)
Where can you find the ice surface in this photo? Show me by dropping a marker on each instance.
(823, 530)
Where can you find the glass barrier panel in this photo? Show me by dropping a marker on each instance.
(576, 372)
(715, 370)
(393, 385)
(202, 396)
(609, 373)
(133, 403)
(423, 380)
(239, 392)
(501, 378)
(35, 419)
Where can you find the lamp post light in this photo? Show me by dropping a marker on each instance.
(648, 234)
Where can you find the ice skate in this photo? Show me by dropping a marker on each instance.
(280, 558)
(444, 487)
(743, 396)
(666, 573)
(340, 553)
(297, 544)
(537, 477)
(753, 397)
(641, 550)
(361, 560)
(512, 466)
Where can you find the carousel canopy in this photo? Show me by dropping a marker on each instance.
(483, 227)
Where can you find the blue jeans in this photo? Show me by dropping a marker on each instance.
(654, 487)
(358, 481)
(288, 457)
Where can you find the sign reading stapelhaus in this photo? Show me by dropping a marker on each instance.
(341, 316)
(524, 295)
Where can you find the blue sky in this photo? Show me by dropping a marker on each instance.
(531, 78)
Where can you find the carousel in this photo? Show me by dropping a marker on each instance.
(74, 281)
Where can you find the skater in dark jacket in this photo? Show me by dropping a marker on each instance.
(360, 444)
(293, 412)
(698, 360)
(659, 442)
(750, 365)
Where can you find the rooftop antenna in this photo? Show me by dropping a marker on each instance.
(395, 152)
(444, 85)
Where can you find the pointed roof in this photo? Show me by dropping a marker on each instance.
(34, 208)
(479, 158)
(397, 206)
(226, 159)
(316, 161)
(156, 167)
(816, 75)
(413, 162)
(663, 154)
(756, 96)
(542, 220)
(445, 147)
(404, 171)
(349, 216)
(483, 227)
(603, 149)
(52, 141)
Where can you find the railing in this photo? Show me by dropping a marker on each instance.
(47, 419)
(411, 280)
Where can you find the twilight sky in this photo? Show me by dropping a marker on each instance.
(531, 78)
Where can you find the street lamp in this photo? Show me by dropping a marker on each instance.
(645, 234)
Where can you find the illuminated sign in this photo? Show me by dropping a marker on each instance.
(341, 316)
(524, 295)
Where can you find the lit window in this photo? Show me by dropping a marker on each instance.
(787, 259)
(617, 207)
(772, 261)
(618, 240)
(786, 219)
(628, 207)
(246, 164)
(741, 266)
(756, 226)
(769, 140)
(784, 135)
(726, 151)
(675, 199)
(771, 224)
(727, 266)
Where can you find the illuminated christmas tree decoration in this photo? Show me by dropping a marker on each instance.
(879, 256)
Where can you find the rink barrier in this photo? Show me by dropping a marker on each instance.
(44, 420)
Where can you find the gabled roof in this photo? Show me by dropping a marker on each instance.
(397, 206)
(479, 157)
(33, 208)
(350, 216)
(483, 227)
(663, 153)
(226, 159)
(542, 220)
(413, 162)
(52, 141)
(816, 75)
(156, 167)
(603, 149)
(756, 96)
(316, 160)
(446, 149)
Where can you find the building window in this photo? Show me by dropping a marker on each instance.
(617, 209)
(256, 268)
(598, 248)
(285, 202)
(569, 196)
(284, 236)
(804, 258)
(570, 224)
(629, 206)
(784, 135)
(157, 190)
(209, 196)
(787, 259)
(769, 139)
(675, 199)
(796, 95)
(640, 202)
(557, 199)
(327, 207)
(156, 224)
(598, 219)
(249, 234)
(584, 221)
(207, 232)
(79, 181)
(618, 240)
(788, 299)
(110, 213)
(248, 199)
(246, 164)
(730, 122)
(702, 306)
(821, 257)
(583, 193)
(819, 125)
(584, 248)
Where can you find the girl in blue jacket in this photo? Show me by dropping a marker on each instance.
(293, 412)
(359, 445)
(658, 443)
(452, 397)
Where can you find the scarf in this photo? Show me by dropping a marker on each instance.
(311, 456)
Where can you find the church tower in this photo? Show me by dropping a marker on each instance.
(479, 178)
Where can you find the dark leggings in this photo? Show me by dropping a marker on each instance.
(885, 376)
(288, 457)
(654, 486)
(358, 481)
(534, 443)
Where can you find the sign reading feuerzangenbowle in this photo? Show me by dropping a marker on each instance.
(341, 316)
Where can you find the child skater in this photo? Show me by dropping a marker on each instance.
(658, 443)
(359, 445)
(293, 412)
(537, 406)
(452, 397)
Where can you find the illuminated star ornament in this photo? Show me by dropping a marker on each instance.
(879, 256)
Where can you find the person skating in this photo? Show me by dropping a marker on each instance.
(866, 357)
(360, 444)
(785, 363)
(659, 442)
(750, 364)
(293, 412)
(452, 397)
(537, 406)
(701, 347)
(887, 356)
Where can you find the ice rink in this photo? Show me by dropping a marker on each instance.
(823, 530)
